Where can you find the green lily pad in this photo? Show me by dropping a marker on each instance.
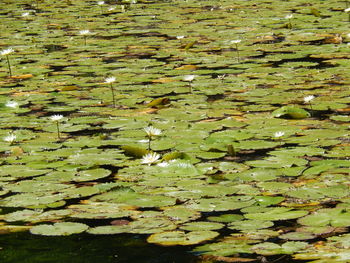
(34, 216)
(59, 229)
(91, 175)
(220, 204)
(182, 238)
(250, 225)
(336, 217)
(101, 210)
(201, 226)
(291, 112)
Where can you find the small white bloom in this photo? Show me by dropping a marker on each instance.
(6, 52)
(84, 32)
(150, 158)
(10, 138)
(235, 41)
(309, 98)
(189, 78)
(347, 10)
(180, 37)
(101, 2)
(290, 16)
(163, 164)
(278, 134)
(183, 165)
(11, 104)
(110, 80)
(111, 8)
(151, 131)
(56, 117)
(25, 14)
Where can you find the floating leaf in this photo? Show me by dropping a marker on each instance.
(59, 229)
(172, 238)
(159, 102)
(291, 112)
(134, 151)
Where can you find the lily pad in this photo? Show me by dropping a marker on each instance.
(59, 229)
(291, 112)
(182, 238)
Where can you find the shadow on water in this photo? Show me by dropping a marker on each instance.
(27, 248)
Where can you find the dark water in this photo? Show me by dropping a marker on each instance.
(27, 248)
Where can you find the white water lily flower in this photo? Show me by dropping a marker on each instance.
(290, 16)
(10, 138)
(150, 158)
(6, 52)
(56, 117)
(11, 104)
(180, 37)
(101, 2)
(151, 131)
(308, 98)
(25, 14)
(110, 80)
(235, 41)
(84, 32)
(189, 77)
(111, 8)
(278, 134)
(347, 10)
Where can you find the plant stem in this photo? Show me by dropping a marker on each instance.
(238, 59)
(113, 98)
(58, 130)
(149, 142)
(9, 66)
(311, 108)
(85, 40)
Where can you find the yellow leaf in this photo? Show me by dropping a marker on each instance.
(163, 80)
(69, 88)
(158, 102)
(25, 76)
(187, 67)
(17, 151)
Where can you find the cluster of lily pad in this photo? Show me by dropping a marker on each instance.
(253, 157)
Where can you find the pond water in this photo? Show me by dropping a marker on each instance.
(174, 131)
(23, 247)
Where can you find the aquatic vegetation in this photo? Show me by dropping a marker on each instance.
(289, 18)
(151, 132)
(110, 80)
(278, 134)
(189, 79)
(236, 169)
(84, 33)
(236, 42)
(56, 119)
(6, 53)
(150, 158)
(11, 138)
(11, 104)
